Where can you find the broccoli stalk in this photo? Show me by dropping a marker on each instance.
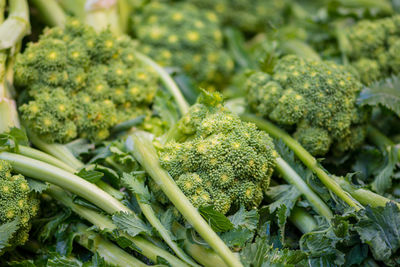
(379, 139)
(348, 193)
(12, 30)
(302, 220)
(294, 179)
(101, 221)
(111, 253)
(145, 153)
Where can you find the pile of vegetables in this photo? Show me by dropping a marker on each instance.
(199, 133)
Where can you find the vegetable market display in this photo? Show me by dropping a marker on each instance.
(199, 133)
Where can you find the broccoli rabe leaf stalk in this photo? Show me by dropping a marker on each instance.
(216, 159)
(12, 30)
(181, 35)
(17, 202)
(343, 189)
(110, 252)
(136, 185)
(316, 98)
(93, 80)
(143, 150)
(105, 224)
(53, 174)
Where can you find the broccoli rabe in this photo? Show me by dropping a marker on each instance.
(181, 35)
(373, 47)
(80, 83)
(251, 18)
(16, 203)
(216, 159)
(317, 98)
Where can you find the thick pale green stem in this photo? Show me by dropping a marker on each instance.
(365, 197)
(204, 255)
(164, 233)
(16, 26)
(39, 155)
(302, 220)
(12, 30)
(144, 152)
(50, 12)
(49, 173)
(59, 151)
(103, 222)
(167, 81)
(304, 156)
(294, 179)
(107, 250)
(379, 139)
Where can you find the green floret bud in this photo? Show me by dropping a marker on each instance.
(373, 48)
(369, 70)
(315, 140)
(316, 98)
(77, 81)
(181, 35)
(16, 202)
(215, 157)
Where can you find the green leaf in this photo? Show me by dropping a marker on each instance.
(237, 237)
(135, 184)
(58, 260)
(217, 221)
(80, 146)
(383, 180)
(47, 230)
(165, 107)
(282, 215)
(282, 195)
(321, 245)
(90, 175)
(260, 253)
(10, 140)
(379, 228)
(385, 93)
(37, 186)
(131, 224)
(245, 219)
(7, 231)
(22, 263)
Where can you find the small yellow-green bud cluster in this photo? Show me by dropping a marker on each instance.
(224, 162)
(16, 203)
(80, 83)
(183, 36)
(315, 98)
(373, 47)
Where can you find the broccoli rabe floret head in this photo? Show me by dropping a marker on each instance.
(250, 17)
(219, 160)
(16, 203)
(80, 83)
(315, 98)
(181, 35)
(373, 48)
